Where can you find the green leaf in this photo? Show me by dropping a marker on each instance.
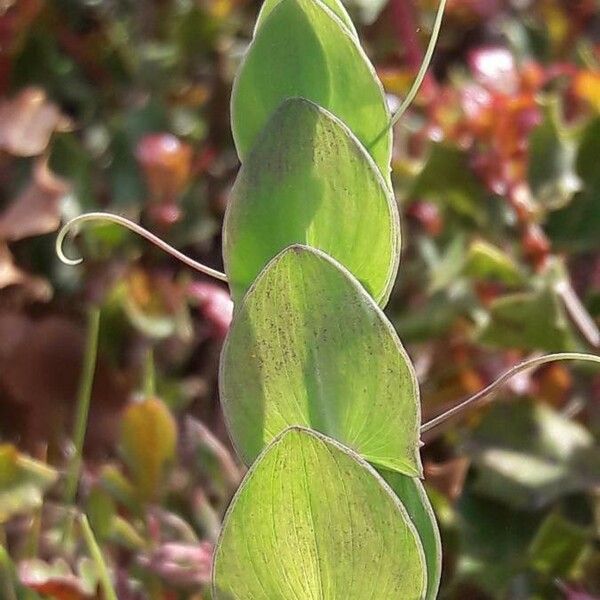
(529, 321)
(308, 180)
(334, 5)
(576, 226)
(101, 511)
(123, 533)
(446, 264)
(308, 346)
(528, 455)
(119, 488)
(311, 520)
(303, 49)
(69, 159)
(551, 170)
(485, 261)
(412, 496)
(493, 541)
(558, 546)
(448, 180)
(148, 440)
(23, 482)
(434, 318)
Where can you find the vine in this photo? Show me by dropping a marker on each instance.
(320, 398)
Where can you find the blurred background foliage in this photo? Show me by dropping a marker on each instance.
(122, 105)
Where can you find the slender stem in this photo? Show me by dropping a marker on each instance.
(32, 544)
(96, 554)
(7, 585)
(578, 313)
(83, 402)
(412, 94)
(495, 385)
(202, 437)
(149, 374)
(206, 516)
(33, 536)
(119, 220)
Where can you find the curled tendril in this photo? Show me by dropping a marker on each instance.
(139, 230)
(412, 94)
(493, 387)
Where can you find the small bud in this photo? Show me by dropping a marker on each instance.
(428, 216)
(186, 565)
(166, 162)
(215, 306)
(536, 245)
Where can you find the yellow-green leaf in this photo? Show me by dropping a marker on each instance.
(308, 346)
(23, 482)
(335, 5)
(412, 495)
(303, 49)
(148, 440)
(308, 180)
(312, 520)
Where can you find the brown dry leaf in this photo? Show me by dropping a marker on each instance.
(27, 121)
(447, 477)
(36, 210)
(40, 362)
(35, 287)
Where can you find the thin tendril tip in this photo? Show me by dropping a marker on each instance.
(60, 242)
(139, 230)
(493, 387)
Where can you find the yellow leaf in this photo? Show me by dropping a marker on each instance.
(587, 87)
(148, 441)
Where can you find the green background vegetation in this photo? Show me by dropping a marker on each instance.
(124, 106)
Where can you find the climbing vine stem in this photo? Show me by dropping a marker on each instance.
(493, 387)
(414, 90)
(127, 223)
(83, 401)
(98, 558)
